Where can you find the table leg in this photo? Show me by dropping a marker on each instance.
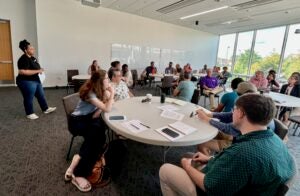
(278, 112)
(165, 151)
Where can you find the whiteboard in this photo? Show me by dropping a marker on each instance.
(139, 57)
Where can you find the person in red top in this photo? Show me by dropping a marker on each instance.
(187, 68)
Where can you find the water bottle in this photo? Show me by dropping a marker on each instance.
(162, 98)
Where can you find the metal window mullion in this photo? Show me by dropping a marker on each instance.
(234, 52)
(286, 34)
(217, 50)
(251, 52)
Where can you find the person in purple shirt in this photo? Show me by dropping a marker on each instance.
(210, 87)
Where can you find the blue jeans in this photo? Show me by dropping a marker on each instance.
(30, 89)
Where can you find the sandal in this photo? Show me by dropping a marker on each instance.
(69, 172)
(68, 175)
(86, 188)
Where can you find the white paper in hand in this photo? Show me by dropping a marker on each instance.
(42, 77)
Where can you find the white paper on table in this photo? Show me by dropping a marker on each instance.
(42, 77)
(171, 115)
(134, 126)
(168, 107)
(159, 130)
(182, 127)
(176, 101)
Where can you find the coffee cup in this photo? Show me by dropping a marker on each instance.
(149, 96)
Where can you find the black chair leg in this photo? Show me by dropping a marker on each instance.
(70, 148)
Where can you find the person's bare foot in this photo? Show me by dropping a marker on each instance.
(74, 163)
(81, 183)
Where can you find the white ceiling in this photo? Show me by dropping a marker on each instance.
(269, 15)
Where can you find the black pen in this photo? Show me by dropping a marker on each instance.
(134, 126)
(144, 125)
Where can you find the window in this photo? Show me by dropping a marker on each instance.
(291, 62)
(243, 51)
(225, 52)
(267, 49)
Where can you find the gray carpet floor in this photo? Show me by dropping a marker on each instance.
(33, 153)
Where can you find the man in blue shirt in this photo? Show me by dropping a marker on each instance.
(228, 99)
(257, 163)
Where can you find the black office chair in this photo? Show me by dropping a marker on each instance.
(70, 74)
(135, 78)
(296, 121)
(70, 103)
(196, 97)
(166, 86)
(280, 129)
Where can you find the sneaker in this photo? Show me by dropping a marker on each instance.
(32, 116)
(49, 110)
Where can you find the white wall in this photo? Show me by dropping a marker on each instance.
(21, 14)
(71, 35)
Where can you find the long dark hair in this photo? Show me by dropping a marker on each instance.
(93, 66)
(124, 71)
(95, 84)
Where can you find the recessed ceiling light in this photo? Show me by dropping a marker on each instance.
(205, 12)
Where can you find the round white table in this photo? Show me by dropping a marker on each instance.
(81, 77)
(283, 100)
(79, 80)
(199, 75)
(160, 75)
(149, 114)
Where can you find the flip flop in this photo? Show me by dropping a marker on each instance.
(82, 189)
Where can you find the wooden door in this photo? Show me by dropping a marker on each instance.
(6, 58)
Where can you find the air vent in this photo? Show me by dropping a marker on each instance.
(253, 3)
(177, 5)
(92, 3)
(228, 22)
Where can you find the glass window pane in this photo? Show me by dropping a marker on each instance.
(291, 62)
(268, 45)
(225, 52)
(243, 52)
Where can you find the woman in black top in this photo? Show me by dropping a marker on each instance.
(292, 89)
(29, 82)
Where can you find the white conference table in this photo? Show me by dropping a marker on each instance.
(81, 77)
(161, 75)
(149, 114)
(283, 100)
(199, 75)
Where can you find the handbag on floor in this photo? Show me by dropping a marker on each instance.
(100, 176)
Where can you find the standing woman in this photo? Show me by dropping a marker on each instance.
(93, 67)
(96, 96)
(29, 82)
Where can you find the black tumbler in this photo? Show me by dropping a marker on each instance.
(162, 98)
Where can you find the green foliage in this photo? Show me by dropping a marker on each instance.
(290, 63)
